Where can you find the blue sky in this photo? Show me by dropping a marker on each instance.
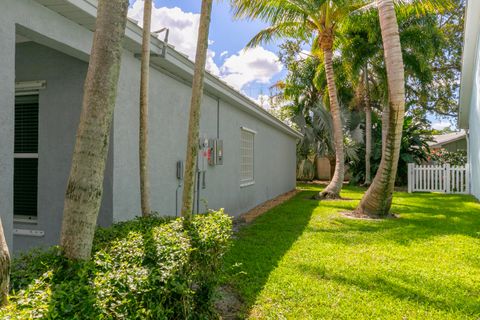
(252, 72)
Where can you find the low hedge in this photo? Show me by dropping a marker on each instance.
(149, 268)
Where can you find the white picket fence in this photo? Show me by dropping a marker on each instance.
(446, 178)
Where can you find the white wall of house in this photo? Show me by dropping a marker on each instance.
(469, 112)
(474, 131)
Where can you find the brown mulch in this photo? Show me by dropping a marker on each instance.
(229, 304)
(357, 216)
(264, 207)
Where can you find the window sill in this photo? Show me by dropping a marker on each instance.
(25, 220)
(246, 184)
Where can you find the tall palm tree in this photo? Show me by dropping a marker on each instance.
(194, 121)
(144, 83)
(307, 19)
(368, 127)
(85, 184)
(4, 268)
(377, 200)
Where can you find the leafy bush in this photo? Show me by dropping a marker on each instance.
(414, 148)
(453, 158)
(149, 268)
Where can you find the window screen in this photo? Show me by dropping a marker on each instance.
(25, 175)
(247, 156)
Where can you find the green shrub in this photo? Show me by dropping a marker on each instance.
(149, 268)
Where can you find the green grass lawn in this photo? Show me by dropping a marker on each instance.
(303, 260)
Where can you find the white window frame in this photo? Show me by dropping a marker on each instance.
(23, 89)
(251, 180)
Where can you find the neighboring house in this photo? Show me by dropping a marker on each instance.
(44, 52)
(452, 142)
(469, 115)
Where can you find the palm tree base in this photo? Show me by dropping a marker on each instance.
(362, 214)
(327, 195)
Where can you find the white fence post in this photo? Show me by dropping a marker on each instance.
(448, 175)
(445, 178)
(467, 178)
(410, 177)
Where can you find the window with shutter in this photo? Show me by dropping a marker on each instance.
(247, 157)
(25, 175)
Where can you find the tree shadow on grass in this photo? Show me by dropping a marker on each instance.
(429, 217)
(260, 246)
(403, 287)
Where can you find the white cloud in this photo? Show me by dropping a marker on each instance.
(254, 65)
(247, 66)
(183, 29)
(263, 100)
(440, 125)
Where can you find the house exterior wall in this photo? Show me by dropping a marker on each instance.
(26, 15)
(456, 145)
(274, 161)
(61, 61)
(59, 112)
(474, 130)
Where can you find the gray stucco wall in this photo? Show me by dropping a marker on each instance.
(7, 98)
(57, 31)
(59, 113)
(63, 66)
(169, 103)
(474, 131)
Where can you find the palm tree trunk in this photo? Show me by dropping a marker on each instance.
(332, 191)
(368, 132)
(194, 121)
(144, 83)
(385, 119)
(4, 268)
(85, 184)
(378, 198)
(332, 162)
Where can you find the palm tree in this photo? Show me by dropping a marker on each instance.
(4, 268)
(377, 200)
(144, 83)
(194, 121)
(368, 127)
(301, 19)
(85, 184)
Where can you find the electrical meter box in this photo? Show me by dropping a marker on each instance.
(203, 154)
(215, 152)
(180, 170)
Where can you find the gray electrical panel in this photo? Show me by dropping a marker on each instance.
(180, 170)
(219, 152)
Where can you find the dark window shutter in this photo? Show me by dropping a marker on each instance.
(25, 176)
(25, 181)
(26, 124)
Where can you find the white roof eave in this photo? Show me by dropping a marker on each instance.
(176, 63)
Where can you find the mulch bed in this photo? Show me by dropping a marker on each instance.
(251, 215)
(356, 216)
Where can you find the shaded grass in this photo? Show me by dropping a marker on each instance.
(303, 260)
